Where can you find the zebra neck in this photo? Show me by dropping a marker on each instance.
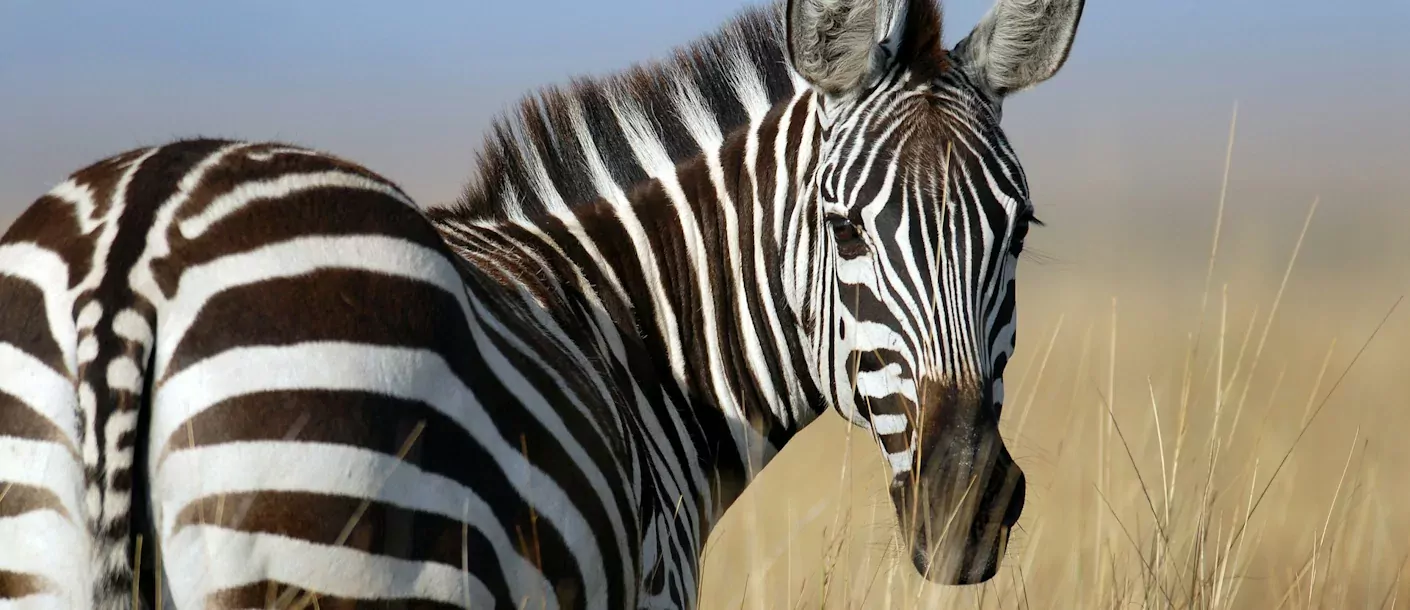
(684, 269)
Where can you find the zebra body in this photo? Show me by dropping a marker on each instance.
(300, 387)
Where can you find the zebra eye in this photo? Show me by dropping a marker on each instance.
(1020, 231)
(849, 238)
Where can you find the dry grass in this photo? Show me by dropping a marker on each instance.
(1239, 448)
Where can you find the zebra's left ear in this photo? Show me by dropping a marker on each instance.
(840, 46)
(1020, 43)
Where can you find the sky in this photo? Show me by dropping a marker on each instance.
(1131, 133)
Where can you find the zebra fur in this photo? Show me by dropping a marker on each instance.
(299, 387)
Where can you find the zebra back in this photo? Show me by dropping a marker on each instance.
(178, 323)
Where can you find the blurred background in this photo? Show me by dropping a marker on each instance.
(1163, 408)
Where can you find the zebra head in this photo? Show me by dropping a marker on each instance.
(920, 209)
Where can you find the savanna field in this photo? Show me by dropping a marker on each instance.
(1210, 396)
(1194, 435)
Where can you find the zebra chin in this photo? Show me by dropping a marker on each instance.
(958, 506)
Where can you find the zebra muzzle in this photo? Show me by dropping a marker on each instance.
(959, 506)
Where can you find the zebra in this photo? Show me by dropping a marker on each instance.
(241, 374)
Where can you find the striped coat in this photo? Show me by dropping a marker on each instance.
(252, 374)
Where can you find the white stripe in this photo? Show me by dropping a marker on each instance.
(885, 382)
(867, 336)
(42, 464)
(964, 311)
(43, 544)
(858, 271)
(215, 559)
(232, 468)
(698, 120)
(88, 408)
(119, 423)
(117, 505)
(748, 86)
(47, 271)
(130, 325)
(123, 374)
(278, 188)
(89, 316)
(39, 388)
(404, 373)
(900, 462)
(44, 601)
(87, 349)
(266, 155)
(804, 221)
(82, 198)
(888, 423)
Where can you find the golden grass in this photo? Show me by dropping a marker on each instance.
(1239, 448)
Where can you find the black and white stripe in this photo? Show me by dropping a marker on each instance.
(270, 362)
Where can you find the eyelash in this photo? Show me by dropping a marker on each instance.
(1021, 224)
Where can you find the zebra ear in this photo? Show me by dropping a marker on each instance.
(1020, 43)
(839, 46)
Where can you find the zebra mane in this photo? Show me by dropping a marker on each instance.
(544, 131)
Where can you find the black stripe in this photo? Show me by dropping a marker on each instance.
(344, 305)
(53, 225)
(25, 323)
(15, 585)
(20, 499)
(611, 142)
(19, 420)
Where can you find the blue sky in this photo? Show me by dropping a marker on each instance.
(406, 88)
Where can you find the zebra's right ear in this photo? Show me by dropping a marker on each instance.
(839, 46)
